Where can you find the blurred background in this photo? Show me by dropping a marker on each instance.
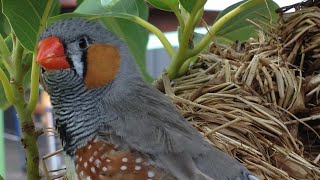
(11, 151)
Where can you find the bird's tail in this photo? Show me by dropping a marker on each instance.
(218, 165)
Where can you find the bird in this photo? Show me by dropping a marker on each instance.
(113, 124)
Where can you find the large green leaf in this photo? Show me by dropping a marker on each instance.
(134, 35)
(238, 28)
(165, 5)
(24, 17)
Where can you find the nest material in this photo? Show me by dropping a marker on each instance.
(259, 101)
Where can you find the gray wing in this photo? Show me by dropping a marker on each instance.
(147, 122)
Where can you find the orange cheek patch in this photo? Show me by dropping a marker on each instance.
(103, 62)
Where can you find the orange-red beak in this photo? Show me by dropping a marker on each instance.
(51, 55)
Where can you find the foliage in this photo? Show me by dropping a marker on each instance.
(239, 27)
(231, 25)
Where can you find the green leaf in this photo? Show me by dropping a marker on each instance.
(109, 4)
(197, 37)
(166, 5)
(134, 35)
(27, 61)
(5, 53)
(9, 43)
(4, 104)
(188, 4)
(79, 2)
(56, 7)
(5, 28)
(123, 6)
(4, 31)
(238, 28)
(24, 18)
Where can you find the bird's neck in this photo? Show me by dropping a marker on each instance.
(76, 116)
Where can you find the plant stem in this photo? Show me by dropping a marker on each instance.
(185, 66)
(184, 53)
(198, 17)
(180, 57)
(217, 25)
(29, 140)
(34, 91)
(176, 11)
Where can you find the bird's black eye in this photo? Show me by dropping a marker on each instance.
(83, 43)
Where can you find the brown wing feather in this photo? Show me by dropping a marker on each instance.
(100, 160)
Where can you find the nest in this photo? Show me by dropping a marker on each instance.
(259, 101)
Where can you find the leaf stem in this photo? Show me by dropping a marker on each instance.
(217, 26)
(176, 11)
(198, 17)
(17, 59)
(34, 90)
(5, 53)
(180, 57)
(7, 87)
(6, 65)
(166, 44)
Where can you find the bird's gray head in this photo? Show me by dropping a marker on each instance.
(82, 50)
(82, 63)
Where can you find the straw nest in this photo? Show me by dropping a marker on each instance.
(259, 101)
